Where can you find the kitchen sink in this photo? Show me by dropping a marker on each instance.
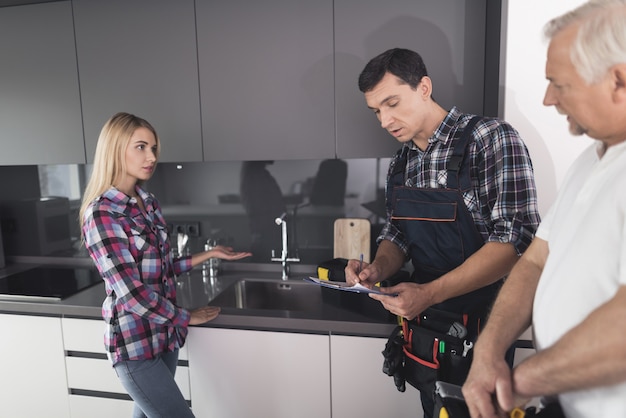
(290, 295)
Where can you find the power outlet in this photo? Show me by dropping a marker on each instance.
(179, 229)
(192, 229)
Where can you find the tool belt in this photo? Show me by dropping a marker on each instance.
(437, 345)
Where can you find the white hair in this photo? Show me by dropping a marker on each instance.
(601, 39)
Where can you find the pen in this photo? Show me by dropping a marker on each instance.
(361, 264)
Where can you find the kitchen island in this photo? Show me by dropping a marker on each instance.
(247, 362)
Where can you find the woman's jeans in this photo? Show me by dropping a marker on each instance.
(152, 386)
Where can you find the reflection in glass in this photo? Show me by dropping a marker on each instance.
(211, 196)
(263, 202)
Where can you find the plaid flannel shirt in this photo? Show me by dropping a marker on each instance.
(131, 250)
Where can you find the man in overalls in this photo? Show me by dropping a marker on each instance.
(461, 205)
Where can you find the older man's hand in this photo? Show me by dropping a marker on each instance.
(488, 390)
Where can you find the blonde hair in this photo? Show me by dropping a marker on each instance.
(109, 165)
(601, 39)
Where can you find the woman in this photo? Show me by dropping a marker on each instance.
(126, 236)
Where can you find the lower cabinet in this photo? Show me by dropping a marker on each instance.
(262, 374)
(92, 407)
(56, 367)
(33, 371)
(93, 387)
(359, 386)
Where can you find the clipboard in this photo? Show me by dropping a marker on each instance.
(343, 286)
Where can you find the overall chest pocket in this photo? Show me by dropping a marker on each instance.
(422, 210)
(430, 222)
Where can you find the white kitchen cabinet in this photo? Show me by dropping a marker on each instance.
(141, 57)
(261, 374)
(33, 380)
(40, 114)
(359, 386)
(84, 406)
(525, 347)
(93, 386)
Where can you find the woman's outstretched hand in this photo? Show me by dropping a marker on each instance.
(221, 252)
(227, 253)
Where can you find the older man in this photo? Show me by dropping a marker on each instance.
(572, 279)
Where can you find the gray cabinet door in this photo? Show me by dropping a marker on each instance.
(40, 120)
(266, 79)
(140, 57)
(449, 34)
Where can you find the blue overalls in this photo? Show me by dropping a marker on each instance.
(441, 235)
(438, 227)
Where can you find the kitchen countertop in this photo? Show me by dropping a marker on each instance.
(344, 314)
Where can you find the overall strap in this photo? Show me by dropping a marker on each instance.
(398, 173)
(458, 154)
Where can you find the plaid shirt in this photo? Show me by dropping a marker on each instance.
(131, 250)
(503, 202)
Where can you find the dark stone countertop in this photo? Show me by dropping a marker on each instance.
(340, 313)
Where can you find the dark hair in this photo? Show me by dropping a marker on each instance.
(405, 64)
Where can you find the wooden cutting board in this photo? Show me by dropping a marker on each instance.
(352, 238)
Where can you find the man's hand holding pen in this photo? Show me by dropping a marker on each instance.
(410, 298)
(358, 271)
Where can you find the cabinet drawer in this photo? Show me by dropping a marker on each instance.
(87, 335)
(98, 375)
(92, 374)
(87, 406)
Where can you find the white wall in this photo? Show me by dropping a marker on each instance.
(546, 133)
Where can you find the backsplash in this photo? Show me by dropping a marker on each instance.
(205, 200)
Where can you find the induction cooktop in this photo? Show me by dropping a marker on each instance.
(47, 283)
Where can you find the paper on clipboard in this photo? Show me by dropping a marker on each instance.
(343, 286)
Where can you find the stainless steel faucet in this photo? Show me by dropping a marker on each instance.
(284, 256)
(210, 267)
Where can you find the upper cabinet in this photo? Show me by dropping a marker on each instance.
(40, 118)
(266, 79)
(140, 57)
(228, 80)
(448, 34)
